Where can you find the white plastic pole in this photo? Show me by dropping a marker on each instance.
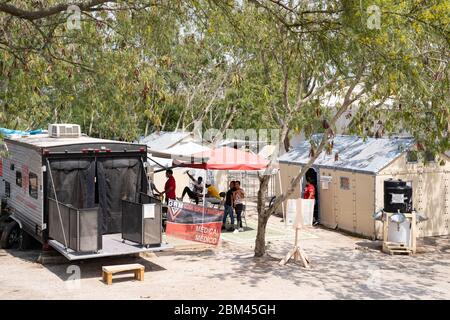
(204, 194)
(281, 192)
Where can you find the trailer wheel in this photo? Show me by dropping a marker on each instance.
(11, 236)
(26, 241)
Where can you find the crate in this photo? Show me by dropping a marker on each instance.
(395, 248)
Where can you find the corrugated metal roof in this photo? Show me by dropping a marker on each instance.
(354, 153)
(163, 140)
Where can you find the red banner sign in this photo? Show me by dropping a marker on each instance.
(193, 222)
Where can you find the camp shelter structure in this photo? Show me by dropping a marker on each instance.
(225, 158)
(159, 161)
(350, 178)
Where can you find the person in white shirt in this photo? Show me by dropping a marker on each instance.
(197, 191)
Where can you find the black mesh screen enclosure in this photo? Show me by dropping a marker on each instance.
(118, 179)
(74, 182)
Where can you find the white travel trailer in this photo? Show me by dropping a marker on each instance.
(83, 196)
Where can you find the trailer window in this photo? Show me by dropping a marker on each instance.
(33, 189)
(345, 183)
(19, 178)
(7, 189)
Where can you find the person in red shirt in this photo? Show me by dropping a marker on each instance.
(170, 186)
(310, 190)
(310, 193)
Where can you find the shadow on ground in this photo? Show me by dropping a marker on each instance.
(91, 268)
(344, 273)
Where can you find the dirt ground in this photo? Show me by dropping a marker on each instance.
(342, 267)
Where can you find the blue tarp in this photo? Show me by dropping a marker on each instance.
(9, 132)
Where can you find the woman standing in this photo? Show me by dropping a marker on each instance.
(238, 197)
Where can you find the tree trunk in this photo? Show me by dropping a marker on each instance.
(260, 244)
(287, 141)
(284, 135)
(263, 217)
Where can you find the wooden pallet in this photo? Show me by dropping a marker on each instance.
(137, 268)
(393, 248)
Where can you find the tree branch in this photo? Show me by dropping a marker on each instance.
(46, 12)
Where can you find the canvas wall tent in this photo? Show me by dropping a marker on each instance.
(350, 185)
(163, 140)
(51, 183)
(158, 164)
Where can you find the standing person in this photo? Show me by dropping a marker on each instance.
(310, 193)
(170, 186)
(229, 206)
(197, 190)
(310, 190)
(239, 196)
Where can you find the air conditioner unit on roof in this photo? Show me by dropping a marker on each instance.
(63, 130)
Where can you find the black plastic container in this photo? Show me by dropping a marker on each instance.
(397, 196)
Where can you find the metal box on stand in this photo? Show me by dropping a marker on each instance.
(399, 218)
(141, 223)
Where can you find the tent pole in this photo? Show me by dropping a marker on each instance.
(204, 195)
(57, 204)
(281, 192)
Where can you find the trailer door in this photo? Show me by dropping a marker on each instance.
(118, 179)
(74, 182)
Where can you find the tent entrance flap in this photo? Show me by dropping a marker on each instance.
(118, 179)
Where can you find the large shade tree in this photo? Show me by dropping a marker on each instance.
(138, 66)
(311, 50)
(130, 68)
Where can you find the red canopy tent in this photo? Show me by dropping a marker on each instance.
(221, 159)
(224, 159)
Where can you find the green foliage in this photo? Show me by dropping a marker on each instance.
(128, 72)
